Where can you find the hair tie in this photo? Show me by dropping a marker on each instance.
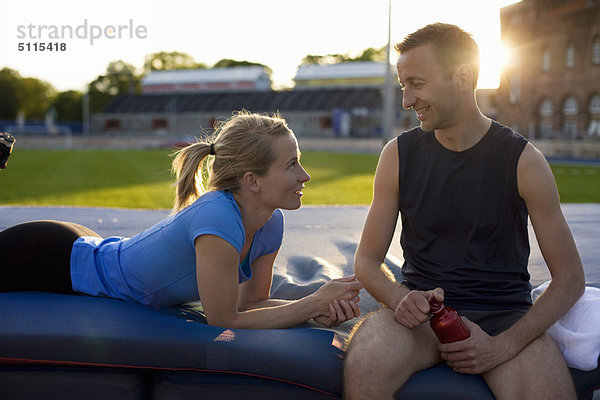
(211, 149)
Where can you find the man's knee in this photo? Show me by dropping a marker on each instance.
(538, 370)
(373, 337)
(380, 342)
(367, 362)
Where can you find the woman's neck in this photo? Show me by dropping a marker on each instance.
(254, 214)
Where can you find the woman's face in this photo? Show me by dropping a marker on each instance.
(281, 186)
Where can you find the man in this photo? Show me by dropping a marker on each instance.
(464, 187)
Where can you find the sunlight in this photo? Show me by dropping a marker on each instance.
(492, 64)
(333, 29)
(506, 57)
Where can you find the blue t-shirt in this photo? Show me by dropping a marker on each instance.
(157, 267)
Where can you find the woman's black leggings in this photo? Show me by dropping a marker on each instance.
(36, 256)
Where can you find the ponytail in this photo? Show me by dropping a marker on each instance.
(190, 169)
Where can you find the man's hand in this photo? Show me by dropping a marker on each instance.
(477, 354)
(413, 310)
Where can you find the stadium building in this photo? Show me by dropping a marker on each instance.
(331, 100)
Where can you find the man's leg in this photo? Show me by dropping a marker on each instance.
(539, 371)
(383, 354)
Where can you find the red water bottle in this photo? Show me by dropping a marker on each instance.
(446, 323)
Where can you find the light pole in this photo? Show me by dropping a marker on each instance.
(388, 89)
(86, 111)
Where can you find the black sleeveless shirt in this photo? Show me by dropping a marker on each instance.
(464, 224)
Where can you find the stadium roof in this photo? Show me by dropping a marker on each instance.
(255, 101)
(358, 69)
(204, 75)
(200, 80)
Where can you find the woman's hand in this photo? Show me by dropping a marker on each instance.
(339, 312)
(337, 301)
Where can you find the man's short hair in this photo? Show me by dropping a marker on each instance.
(451, 46)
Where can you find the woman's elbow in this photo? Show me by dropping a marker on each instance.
(223, 321)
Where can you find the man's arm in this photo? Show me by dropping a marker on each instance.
(378, 232)
(537, 187)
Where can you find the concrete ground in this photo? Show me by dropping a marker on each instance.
(327, 232)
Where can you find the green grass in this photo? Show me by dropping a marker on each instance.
(339, 178)
(577, 184)
(142, 179)
(104, 178)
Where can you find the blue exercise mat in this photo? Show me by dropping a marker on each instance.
(57, 346)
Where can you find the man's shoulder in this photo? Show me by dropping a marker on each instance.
(412, 137)
(413, 133)
(505, 132)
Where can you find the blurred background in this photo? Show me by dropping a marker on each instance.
(156, 75)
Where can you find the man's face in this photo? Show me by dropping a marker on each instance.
(427, 89)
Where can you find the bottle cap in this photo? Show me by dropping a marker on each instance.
(435, 305)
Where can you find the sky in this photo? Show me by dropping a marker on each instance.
(86, 36)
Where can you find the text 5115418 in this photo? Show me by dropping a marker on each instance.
(42, 46)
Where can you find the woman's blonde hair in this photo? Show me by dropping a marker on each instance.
(240, 144)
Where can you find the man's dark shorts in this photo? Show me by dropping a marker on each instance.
(494, 322)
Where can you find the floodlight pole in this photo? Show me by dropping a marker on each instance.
(388, 89)
(86, 111)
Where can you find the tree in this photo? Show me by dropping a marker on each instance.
(68, 106)
(9, 87)
(120, 78)
(229, 63)
(313, 59)
(165, 61)
(35, 97)
(370, 54)
(31, 96)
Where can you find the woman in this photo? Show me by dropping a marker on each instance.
(218, 246)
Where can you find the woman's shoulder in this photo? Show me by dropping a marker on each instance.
(215, 201)
(215, 209)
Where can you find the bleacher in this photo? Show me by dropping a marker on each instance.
(256, 101)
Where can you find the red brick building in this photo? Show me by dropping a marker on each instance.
(551, 87)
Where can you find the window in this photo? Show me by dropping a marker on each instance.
(514, 89)
(112, 124)
(160, 123)
(570, 111)
(594, 107)
(546, 129)
(570, 56)
(596, 51)
(546, 109)
(570, 128)
(546, 60)
(570, 107)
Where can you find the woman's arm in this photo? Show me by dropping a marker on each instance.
(228, 304)
(255, 293)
